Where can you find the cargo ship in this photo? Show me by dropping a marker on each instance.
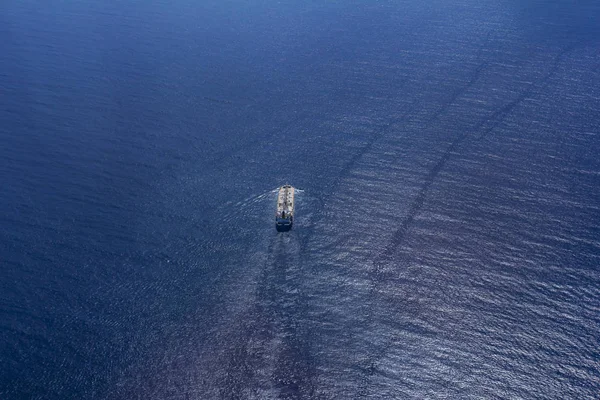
(284, 215)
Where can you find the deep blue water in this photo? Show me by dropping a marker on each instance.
(447, 236)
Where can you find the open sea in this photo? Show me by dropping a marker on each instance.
(447, 233)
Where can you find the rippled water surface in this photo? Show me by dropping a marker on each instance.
(447, 235)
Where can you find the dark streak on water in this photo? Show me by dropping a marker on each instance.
(447, 240)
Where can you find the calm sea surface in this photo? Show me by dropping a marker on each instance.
(447, 236)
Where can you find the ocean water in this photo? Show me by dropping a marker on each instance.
(447, 236)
